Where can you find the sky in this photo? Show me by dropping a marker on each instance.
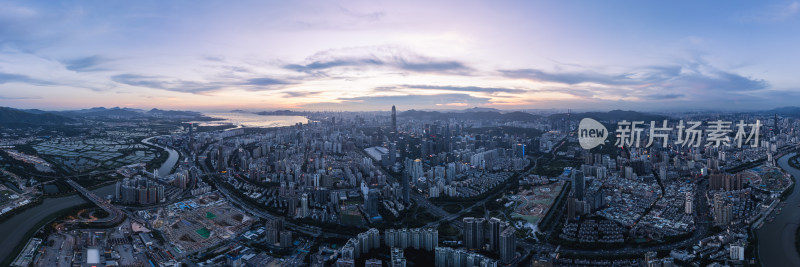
(369, 55)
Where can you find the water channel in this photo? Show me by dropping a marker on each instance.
(13, 230)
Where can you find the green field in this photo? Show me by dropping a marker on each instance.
(204, 232)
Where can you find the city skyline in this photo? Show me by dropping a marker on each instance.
(356, 56)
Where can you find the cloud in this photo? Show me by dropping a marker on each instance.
(663, 96)
(336, 17)
(176, 85)
(19, 97)
(386, 57)
(692, 79)
(772, 13)
(85, 64)
(384, 102)
(489, 90)
(30, 27)
(650, 74)
(265, 82)
(300, 94)
(164, 83)
(321, 65)
(17, 78)
(425, 101)
(16, 22)
(369, 16)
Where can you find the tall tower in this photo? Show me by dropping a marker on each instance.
(578, 184)
(508, 245)
(191, 138)
(394, 119)
(304, 205)
(220, 158)
(775, 127)
(405, 185)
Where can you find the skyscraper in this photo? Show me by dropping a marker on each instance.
(304, 205)
(371, 202)
(191, 137)
(578, 184)
(496, 226)
(392, 152)
(508, 245)
(473, 232)
(220, 158)
(775, 127)
(394, 119)
(405, 187)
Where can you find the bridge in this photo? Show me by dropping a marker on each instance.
(115, 216)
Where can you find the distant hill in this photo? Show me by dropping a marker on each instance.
(614, 115)
(279, 112)
(120, 113)
(477, 109)
(16, 116)
(172, 113)
(115, 112)
(472, 115)
(785, 111)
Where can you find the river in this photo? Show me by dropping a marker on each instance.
(776, 239)
(166, 167)
(245, 119)
(13, 230)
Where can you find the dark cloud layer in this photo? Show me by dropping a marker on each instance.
(416, 100)
(490, 90)
(693, 80)
(175, 85)
(12, 78)
(91, 63)
(377, 57)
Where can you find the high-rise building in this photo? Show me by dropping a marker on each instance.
(394, 119)
(220, 158)
(473, 232)
(398, 260)
(291, 206)
(578, 184)
(139, 190)
(445, 256)
(392, 152)
(688, 204)
(725, 181)
(496, 226)
(508, 245)
(723, 212)
(304, 205)
(286, 238)
(373, 263)
(405, 184)
(650, 256)
(371, 202)
(416, 170)
(737, 252)
(775, 129)
(519, 151)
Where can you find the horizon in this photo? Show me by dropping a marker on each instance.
(364, 56)
(442, 110)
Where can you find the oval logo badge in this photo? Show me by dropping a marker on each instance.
(591, 133)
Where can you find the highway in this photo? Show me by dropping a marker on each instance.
(115, 215)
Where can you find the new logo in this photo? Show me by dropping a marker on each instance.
(591, 133)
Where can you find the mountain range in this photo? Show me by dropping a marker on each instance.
(41, 117)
